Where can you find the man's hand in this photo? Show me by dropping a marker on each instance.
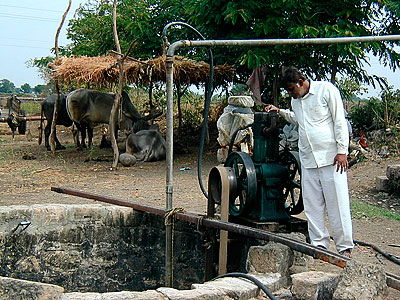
(271, 107)
(341, 162)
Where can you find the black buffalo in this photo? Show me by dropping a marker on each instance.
(146, 145)
(62, 119)
(91, 107)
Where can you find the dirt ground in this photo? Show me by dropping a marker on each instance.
(28, 171)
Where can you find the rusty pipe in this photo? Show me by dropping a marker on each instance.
(392, 280)
(33, 118)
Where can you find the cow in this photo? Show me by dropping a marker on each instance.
(92, 107)
(144, 145)
(62, 119)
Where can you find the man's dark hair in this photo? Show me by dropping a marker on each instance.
(291, 75)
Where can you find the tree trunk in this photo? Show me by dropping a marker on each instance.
(335, 62)
(57, 88)
(118, 94)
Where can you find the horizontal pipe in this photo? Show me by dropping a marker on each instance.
(33, 118)
(270, 42)
(392, 280)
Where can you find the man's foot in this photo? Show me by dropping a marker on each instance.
(346, 252)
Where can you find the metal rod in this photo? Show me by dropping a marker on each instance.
(272, 42)
(392, 280)
(33, 118)
(169, 177)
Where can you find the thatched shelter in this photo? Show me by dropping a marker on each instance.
(103, 71)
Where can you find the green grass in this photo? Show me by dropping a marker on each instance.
(31, 107)
(363, 210)
(6, 154)
(28, 172)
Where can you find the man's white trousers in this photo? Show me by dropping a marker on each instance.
(324, 189)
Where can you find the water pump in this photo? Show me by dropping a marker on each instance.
(266, 183)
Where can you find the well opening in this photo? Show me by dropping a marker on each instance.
(96, 248)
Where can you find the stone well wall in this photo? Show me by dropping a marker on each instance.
(95, 248)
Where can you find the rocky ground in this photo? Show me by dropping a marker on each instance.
(28, 171)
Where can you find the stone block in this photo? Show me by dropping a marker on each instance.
(83, 296)
(359, 281)
(241, 288)
(270, 258)
(314, 285)
(16, 289)
(382, 183)
(301, 261)
(146, 295)
(198, 294)
(393, 172)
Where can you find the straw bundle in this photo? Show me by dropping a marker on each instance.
(103, 71)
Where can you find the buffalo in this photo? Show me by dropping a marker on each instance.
(92, 107)
(144, 145)
(62, 119)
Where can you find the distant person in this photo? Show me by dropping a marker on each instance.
(323, 142)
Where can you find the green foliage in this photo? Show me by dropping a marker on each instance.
(192, 112)
(138, 20)
(377, 113)
(350, 88)
(293, 19)
(31, 108)
(143, 21)
(363, 115)
(43, 89)
(26, 88)
(6, 86)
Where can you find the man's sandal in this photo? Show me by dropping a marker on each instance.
(346, 252)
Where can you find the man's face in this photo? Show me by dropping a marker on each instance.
(296, 90)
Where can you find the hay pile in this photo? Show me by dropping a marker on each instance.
(103, 71)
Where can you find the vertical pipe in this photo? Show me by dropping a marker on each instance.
(169, 177)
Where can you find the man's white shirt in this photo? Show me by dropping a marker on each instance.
(323, 131)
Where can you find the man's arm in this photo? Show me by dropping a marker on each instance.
(285, 113)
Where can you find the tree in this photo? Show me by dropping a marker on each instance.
(6, 86)
(26, 88)
(282, 19)
(42, 89)
(143, 20)
(140, 20)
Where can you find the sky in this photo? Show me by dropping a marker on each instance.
(29, 28)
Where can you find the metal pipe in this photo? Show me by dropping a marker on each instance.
(169, 176)
(392, 280)
(272, 42)
(33, 118)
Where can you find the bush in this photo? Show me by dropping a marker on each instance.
(31, 107)
(377, 113)
(363, 116)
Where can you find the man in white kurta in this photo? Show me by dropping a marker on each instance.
(323, 142)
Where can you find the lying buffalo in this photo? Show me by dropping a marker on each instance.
(144, 145)
(62, 119)
(91, 107)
